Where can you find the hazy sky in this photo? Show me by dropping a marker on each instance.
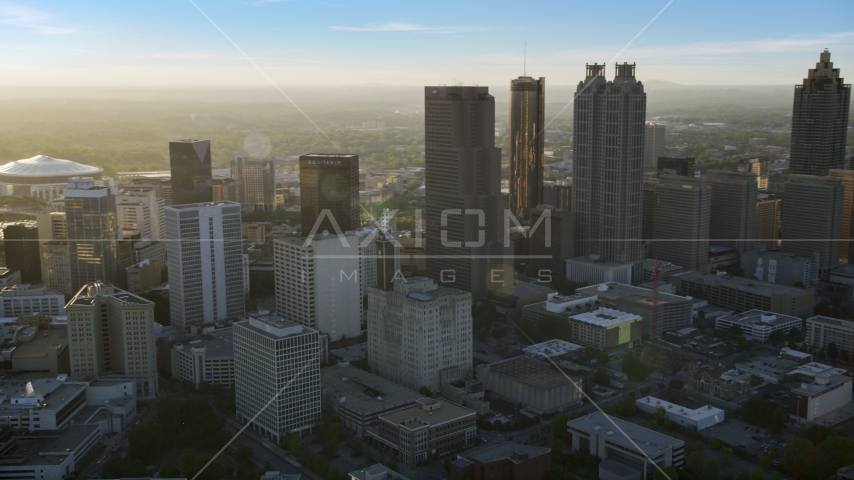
(169, 42)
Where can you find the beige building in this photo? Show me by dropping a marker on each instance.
(418, 330)
(732, 218)
(812, 215)
(606, 328)
(675, 312)
(58, 226)
(56, 267)
(47, 353)
(845, 234)
(821, 331)
(259, 182)
(680, 220)
(112, 331)
(741, 294)
(142, 211)
(768, 221)
(254, 232)
(208, 358)
(23, 299)
(144, 275)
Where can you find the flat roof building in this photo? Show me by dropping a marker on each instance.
(510, 460)
(811, 401)
(821, 331)
(24, 299)
(781, 268)
(674, 311)
(591, 269)
(46, 353)
(759, 324)
(207, 358)
(553, 349)
(535, 384)
(606, 328)
(700, 418)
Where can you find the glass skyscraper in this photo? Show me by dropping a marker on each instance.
(329, 181)
(90, 214)
(190, 162)
(527, 120)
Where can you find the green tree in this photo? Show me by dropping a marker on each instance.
(558, 426)
(244, 455)
(795, 456)
(392, 464)
(670, 473)
(635, 368)
(557, 450)
(832, 351)
(727, 455)
(660, 414)
(425, 391)
(601, 376)
(145, 443)
(483, 334)
(171, 469)
(714, 443)
(757, 474)
(357, 448)
(603, 358)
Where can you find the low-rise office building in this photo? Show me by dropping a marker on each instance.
(810, 402)
(769, 368)
(741, 294)
(759, 324)
(536, 385)
(23, 406)
(504, 461)
(782, 268)
(9, 278)
(46, 353)
(207, 358)
(23, 299)
(554, 350)
(699, 418)
(821, 331)
(377, 471)
(430, 427)
(674, 311)
(48, 456)
(606, 328)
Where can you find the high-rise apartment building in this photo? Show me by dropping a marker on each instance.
(329, 189)
(681, 207)
(527, 143)
(768, 221)
(93, 233)
(819, 121)
(732, 221)
(56, 267)
(608, 132)
(682, 166)
(462, 177)
(259, 181)
(111, 332)
(205, 260)
(417, 331)
(142, 211)
(846, 234)
(227, 190)
(653, 145)
(812, 218)
(190, 162)
(321, 281)
(276, 359)
(21, 240)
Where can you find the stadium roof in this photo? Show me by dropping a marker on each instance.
(43, 166)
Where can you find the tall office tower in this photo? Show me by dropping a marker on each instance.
(465, 207)
(759, 166)
(812, 218)
(653, 146)
(607, 191)
(320, 282)
(227, 190)
(329, 182)
(682, 166)
(553, 240)
(732, 222)
(190, 162)
(90, 214)
(417, 331)
(111, 332)
(58, 226)
(205, 260)
(259, 180)
(56, 267)
(162, 187)
(142, 211)
(819, 121)
(681, 207)
(768, 221)
(276, 359)
(22, 250)
(527, 143)
(558, 194)
(846, 230)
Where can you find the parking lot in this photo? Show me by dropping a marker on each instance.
(756, 440)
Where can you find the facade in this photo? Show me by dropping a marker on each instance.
(682, 166)
(779, 267)
(608, 182)
(58, 226)
(462, 177)
(205, 262)
(359, 398)
(227, 190)
(812, 217)
(162, 187)
(741, 294)
(675, 312)
(558, 194)
(190, 164)
(759, 325)
(653, 145)
(680, 232)
(811, 402)
(430, 427)
(527, 142)
(56, 267)
(418, 330)
(112, 331)
(821, 331)
(142, 211)
(42, 177)
(259, 182)
(24, 299)
(846, 234)
(21, 241)
(606, 328)
(534, 384)
(277, 358)
(502, 461)
(819, 121)
(595, 434)
(9, 278)
(329, 193)
(699, 418)
(732, 218)
(93, 233)
(144, 275)
(554, 239)
(47, 353)
(320, 283)
(592, 269)
(768, 216)
(209, 359)
(759, 166)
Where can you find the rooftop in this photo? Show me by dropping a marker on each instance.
(44, 166)
(831, 321)
(739, 283)
(552, 348)
(363, 391)
(23, 289)
(760, 318)
(606, 317)
(531, 372)
(822, 385)
(45, 340)
(815, 369)
(504, 450)
(274, 326)
(374, 472)
(769, 364)
(415, 417)
(217, 344)
(193, 206)
(594, 260)
(696, 415)
(647, 440)
(613, 291)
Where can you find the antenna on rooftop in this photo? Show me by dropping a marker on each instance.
(525, 59)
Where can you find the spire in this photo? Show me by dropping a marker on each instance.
(525, 60)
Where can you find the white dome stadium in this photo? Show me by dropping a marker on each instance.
(42, 169)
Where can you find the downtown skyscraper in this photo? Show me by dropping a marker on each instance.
(190, 163)
(527, 120)
(93, 233)
(465, 207)
(819, 121)
(329, 190)
(259, 182)
(608, 129)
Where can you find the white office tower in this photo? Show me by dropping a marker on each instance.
(321, 281)
(279, 360)
(205, 259)
(111, 334)
(417, 330)
(142, 211)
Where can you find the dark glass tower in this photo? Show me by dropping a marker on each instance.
(22, 250)
(527, 119)
(607, 190)
(90, 213)
(819, 121)
(190, 162)
(329, 181)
